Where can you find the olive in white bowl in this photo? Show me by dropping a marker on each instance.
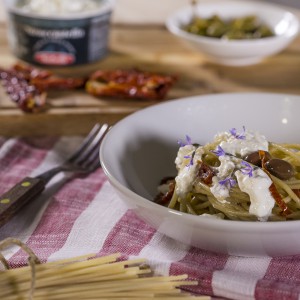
(244, 49)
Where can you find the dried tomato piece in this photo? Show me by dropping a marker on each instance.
(273, 190)
(27, 85)
(130, 84)
(27, 96)
(30, 72)
(205, 173)
(297, 192)
(45, 80)
(58, 83)
(164, 199)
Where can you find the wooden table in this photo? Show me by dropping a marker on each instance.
(149, 48)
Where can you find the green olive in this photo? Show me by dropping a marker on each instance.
(247, 27)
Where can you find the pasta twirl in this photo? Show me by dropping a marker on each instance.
(237, 176)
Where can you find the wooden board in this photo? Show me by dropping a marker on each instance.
(150, 49)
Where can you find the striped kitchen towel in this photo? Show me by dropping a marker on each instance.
(84, 215)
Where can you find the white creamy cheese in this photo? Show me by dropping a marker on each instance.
(252, 142)
(226, 167)
(257, 187)
(239, 145)
(220, 191)
(186, 172)
(49, 7)
(180, 160)
(225, 170)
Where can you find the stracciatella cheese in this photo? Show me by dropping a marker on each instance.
(187, 172)
(234, 147)
(257, 187)
(48, 7)
(251, 142)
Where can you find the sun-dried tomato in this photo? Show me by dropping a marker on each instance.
(130, 84)
(205, 173)
(273, 190)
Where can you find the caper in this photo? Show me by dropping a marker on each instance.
(280, 168)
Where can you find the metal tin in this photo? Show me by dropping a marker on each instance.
(59, 41)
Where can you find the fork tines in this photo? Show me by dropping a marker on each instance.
(87, 154)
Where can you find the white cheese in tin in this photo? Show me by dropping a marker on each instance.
(48, 7)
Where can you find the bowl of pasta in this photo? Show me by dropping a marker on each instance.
(233, 32)
(220, 172)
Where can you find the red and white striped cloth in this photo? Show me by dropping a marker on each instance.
(86, 216)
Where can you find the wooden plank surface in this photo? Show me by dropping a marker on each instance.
(151, 49)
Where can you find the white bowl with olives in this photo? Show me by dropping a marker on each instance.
(235, 33)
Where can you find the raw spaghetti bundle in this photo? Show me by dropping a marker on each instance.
(86, 278)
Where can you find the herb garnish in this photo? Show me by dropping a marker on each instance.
(239, 136)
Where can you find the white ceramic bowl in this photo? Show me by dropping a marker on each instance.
(237, 52)
(141, 149)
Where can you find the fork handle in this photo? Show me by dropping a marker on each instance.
(14, 199)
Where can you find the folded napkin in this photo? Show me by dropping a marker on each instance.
(85, 216)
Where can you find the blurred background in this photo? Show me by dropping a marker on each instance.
(139, 40)
(154, 11)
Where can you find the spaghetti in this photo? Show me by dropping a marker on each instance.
(89, 278)
(237, 176)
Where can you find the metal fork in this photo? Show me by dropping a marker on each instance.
(83, 161)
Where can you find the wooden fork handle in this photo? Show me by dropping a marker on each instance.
(14, 199)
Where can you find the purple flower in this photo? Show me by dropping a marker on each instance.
(188, 141)
(228, 181)
(219, 151)
(240, 136)
(247, 169)
(191, 158)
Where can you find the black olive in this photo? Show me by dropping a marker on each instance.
(254, 159)
(280, 168)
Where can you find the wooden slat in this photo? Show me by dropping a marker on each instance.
(151, 49)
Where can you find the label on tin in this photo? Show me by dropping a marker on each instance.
(59, 42)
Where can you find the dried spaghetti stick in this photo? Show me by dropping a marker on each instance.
(89, 278)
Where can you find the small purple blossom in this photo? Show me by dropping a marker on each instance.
(240, 136)
(219, 151)
(188, 141)
(228, 181)
(247, 169)
(191, 158)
